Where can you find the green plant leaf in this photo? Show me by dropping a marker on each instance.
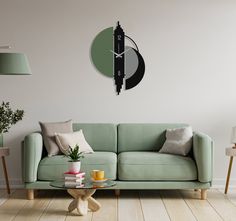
(8, 117)
(74, 154)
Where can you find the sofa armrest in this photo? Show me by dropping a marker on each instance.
(203, 155)
(31, 156)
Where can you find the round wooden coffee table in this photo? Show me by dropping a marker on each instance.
(83, 199)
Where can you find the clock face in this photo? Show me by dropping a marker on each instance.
(113, 58)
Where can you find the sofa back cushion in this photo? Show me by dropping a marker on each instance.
(101, 137)
(143, 137)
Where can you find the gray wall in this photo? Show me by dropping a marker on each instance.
(189, 48)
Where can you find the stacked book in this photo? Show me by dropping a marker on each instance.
(74, 180)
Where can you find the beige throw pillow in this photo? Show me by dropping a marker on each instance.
(48, 132)
(64, 140)
(178, 141)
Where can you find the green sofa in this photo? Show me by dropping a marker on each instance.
(128, 153)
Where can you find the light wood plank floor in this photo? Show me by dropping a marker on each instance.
(163, 205)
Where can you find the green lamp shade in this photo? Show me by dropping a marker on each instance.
(14, 64)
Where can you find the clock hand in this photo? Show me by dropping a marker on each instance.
(117, 55)
(123, 52)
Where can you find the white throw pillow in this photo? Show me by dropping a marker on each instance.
(178, 141)
(64, 140)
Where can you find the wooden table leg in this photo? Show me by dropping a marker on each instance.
(5, 173)
(93, 204)
(228, 175)
(83, 201)
(73, 205)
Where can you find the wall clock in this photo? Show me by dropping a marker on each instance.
(113, 58)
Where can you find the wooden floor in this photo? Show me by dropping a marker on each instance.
(130, 206)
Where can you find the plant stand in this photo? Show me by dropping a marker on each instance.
(4, 151)
(231, 152)
(83, 201)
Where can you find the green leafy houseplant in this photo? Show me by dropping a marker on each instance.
(8, 117)
(74, 154)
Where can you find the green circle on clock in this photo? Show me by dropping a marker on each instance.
(101, 54)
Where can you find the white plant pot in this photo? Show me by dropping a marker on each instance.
(74, 167)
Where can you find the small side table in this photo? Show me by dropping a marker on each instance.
(4, 151)
(231, 152)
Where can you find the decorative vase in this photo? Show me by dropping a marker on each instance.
(74, 167)
(1, 139)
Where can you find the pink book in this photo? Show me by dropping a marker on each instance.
(71, 174)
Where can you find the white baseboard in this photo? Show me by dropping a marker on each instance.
(14, 184)
(220, 183)
(217, 183)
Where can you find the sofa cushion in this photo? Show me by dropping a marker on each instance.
(52, 168)
(147, 165)
(143, 137)
(101, 137)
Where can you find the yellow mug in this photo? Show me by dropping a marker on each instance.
(98, 174)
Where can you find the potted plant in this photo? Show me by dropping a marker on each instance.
(74, 155)
(8, 117)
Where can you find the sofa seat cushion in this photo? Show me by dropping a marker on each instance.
(52, 168)
(155, 166)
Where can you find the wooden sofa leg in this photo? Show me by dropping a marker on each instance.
(203, 194)
(30, 194)
(117, 192)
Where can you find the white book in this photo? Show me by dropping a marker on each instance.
(73, 183)
(75, 179)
